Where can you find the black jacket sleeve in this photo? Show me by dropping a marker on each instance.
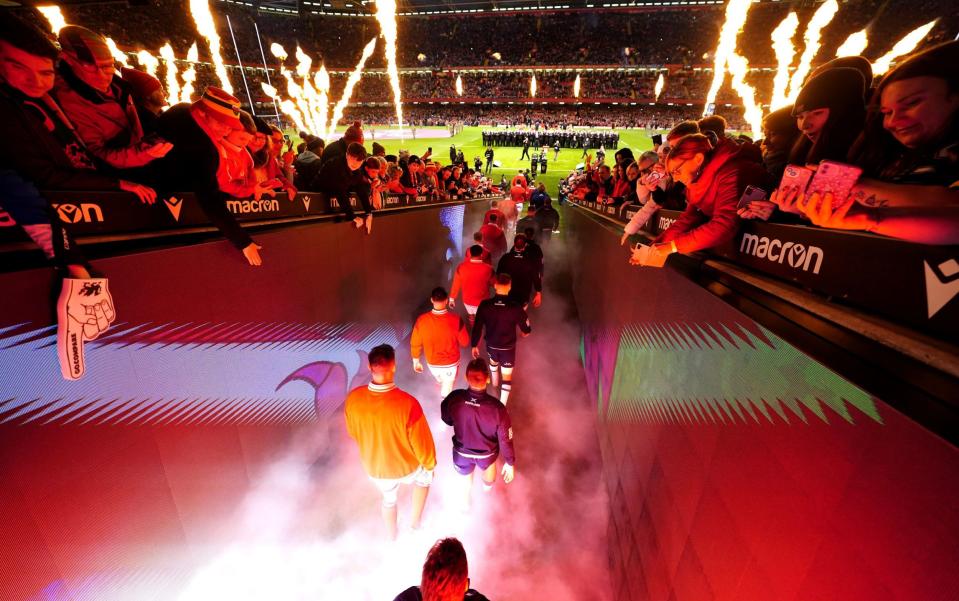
(478, 323)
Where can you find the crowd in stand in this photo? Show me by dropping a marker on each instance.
(851, 153)
(661, 35)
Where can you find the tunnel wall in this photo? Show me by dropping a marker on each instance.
(210, 372)
(740, 468)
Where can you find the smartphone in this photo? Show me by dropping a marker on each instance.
(657, 139)
(838, 178)
(794, 177)
(653, 177)
(429, 149)
(750, 194)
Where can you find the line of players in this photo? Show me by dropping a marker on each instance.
(394, 438)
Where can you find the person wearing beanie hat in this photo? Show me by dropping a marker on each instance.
(830, 113)
(337, 149)
(378, 150)
(858, 63)
(911, 144)
(147, 94)
(99, 103)
(307, 163)
(196, 130)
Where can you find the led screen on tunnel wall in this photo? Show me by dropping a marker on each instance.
(740, 468)
(125, 479)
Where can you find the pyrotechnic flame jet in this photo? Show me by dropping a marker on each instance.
(386, 17)
(172, 84)
(189, 76)
(904, 46)
(54, 17)
(659, 86)
(782, 38)
(576, 87)
(206, 27)
(148, 62)
(736, 12)
(532, 87)
(459, 85)
(822, 17)
(351, 82)
(118, 55)
(854, 44)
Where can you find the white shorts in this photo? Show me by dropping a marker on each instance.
(471, 309)
(390, 487)
(444, 372)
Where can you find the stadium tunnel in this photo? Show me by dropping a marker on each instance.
(685, 433)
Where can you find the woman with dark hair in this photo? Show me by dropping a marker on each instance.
(715, 178)
(830, 113)
(911, 144)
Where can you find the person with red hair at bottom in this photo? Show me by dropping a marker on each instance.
(445, 576)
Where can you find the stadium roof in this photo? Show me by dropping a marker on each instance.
(462, 7)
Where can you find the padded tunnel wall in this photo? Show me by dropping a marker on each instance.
(739, 468)
(210, 372)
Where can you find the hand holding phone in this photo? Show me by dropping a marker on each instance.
(836, 178)
(750, 194)
(795, 179)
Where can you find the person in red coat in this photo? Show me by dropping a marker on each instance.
(715, 178)
(474, 277)
(439, 334)
(494, 238)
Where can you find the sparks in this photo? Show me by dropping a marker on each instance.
(54, 17)
(169, 64)
(148, 62)
(386, 17)
(736, 12)
(532, 87)
(351, 82)
(822, 17)
(904, 46)
(286, 105)
(206, 27)
(278, 51)
(118, 55)
(576, 86)
(659, 86)
(459, 85)
(189, 76)
(782, 38)
(854, 44)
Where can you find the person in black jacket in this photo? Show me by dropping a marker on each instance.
(525, 272)
(195, 129)
(340, 177)
(500, 316)
(337, 149)
(482, 430)
(548, 220)
(308, 163)
(445, 576)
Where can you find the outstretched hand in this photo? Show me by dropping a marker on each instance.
(252, 254)
(509, 472)
(417, 366)
(822, 213)
(476, 353)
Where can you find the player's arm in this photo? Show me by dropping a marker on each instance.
(416, 347)
(478, 324)
(446, 412)
(504, 436)
(523, 322)
(421, 439)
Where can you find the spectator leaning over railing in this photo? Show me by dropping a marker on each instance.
(279, 167)
(337, 149)
(308, 163)
(341, 177)
(196, 130)
(147, 94)
(235, 172)
(909, 152)
(830, 113)
(99, 103)
(39, 142)
(715, 179)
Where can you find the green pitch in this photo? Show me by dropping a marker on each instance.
(471, 142)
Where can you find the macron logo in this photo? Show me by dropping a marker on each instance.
(942, 284)
(174, 205)
(306, 202)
